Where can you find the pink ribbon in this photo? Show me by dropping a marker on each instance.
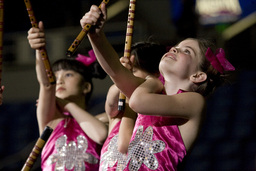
(218, 60)
(86, 60)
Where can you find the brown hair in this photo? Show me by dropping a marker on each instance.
(148, 55)
(214, 78)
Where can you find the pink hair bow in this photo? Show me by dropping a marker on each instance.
(218, 60)
(86, 60)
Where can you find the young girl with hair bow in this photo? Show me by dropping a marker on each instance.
(77, 138)
(144, 58)
(170, 114)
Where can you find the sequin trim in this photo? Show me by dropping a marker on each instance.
(113, 156)
(71, 155)
(142, 150)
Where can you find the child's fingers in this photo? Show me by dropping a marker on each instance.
(91, 17)
(41, 26)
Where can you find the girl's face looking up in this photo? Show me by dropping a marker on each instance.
(68, 84)
(182, 60)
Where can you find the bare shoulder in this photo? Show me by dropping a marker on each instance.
(194, 101)
(190, 129)
(193, 95)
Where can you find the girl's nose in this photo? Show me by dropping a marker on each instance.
(174, 50)
(59, 80)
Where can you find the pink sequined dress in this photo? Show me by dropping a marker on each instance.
(69, 148)
(156, 144)
(111, 159)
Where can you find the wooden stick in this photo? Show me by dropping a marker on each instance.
(81, 36)
(43, 52)
(127, 48)
(37, 149)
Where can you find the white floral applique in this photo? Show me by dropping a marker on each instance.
(113, 156)
(71, 155)
(142, 150)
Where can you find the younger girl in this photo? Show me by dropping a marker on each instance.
(170, 114)
(76, 141)
(144, 58)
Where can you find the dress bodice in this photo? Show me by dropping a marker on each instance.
(69, 148)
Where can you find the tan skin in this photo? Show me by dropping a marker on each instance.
(111, 105)
(128, 117)
(67, 95)
(179, 67)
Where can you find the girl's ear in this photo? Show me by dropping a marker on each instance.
(198, 77)
(87, 87)
(132, 59)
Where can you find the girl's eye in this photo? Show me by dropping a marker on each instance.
(69, 75)
(187, 51)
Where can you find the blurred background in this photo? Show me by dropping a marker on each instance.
(228, 137)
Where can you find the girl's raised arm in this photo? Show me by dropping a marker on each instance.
(147, 100)
(105, 53)
(46, 101)
(93, 127)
